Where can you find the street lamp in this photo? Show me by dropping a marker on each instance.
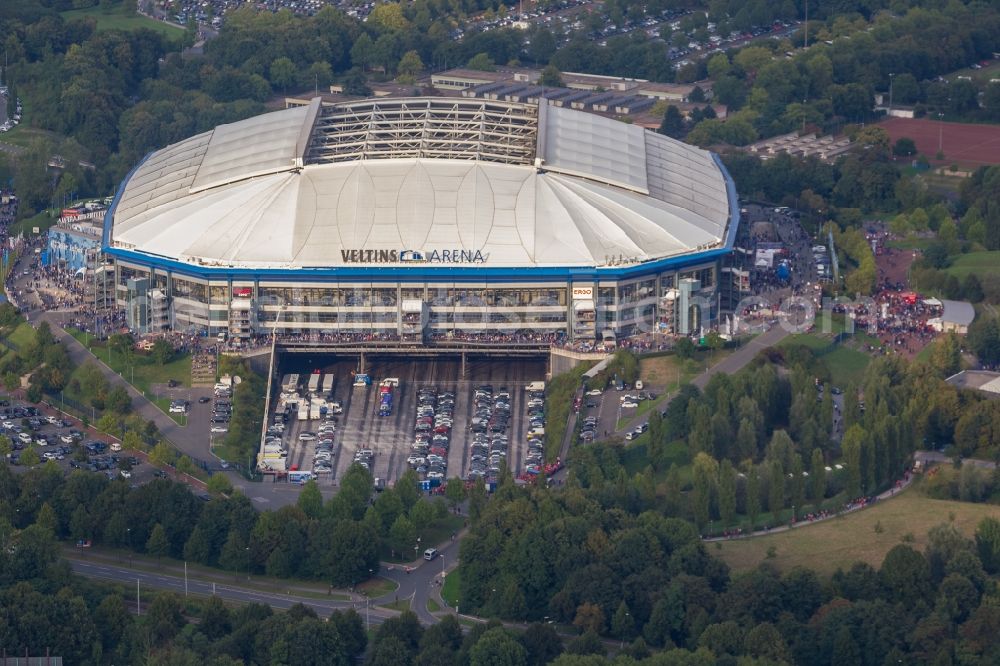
(128, 532)
(416, 547)
(892, 75)
(248, 562)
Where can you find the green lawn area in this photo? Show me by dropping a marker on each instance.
(42, 220)
(911, 243)
(846, 365)
(376, 587)
(433, 606)
(979, 263)
(814, 341)
(144, 371)
(116, 20)
(839, 542)
(449, 591)
(21, 336)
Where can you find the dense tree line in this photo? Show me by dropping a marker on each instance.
(828, 86)
(118, 95)
(246, 420)
(45, 609)
(338, 541)
(594, 558)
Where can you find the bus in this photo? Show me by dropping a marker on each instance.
(300, 476)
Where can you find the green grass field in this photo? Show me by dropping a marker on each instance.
(846, 365)
(910, 243)
(838, 543)
(449, 591)
(376, 587)
(116, 20)
(21, 336)
(979, 263)
(144, 371)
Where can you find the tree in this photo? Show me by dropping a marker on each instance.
(684, 348)
(672, 124)
(165, 617)
(706, 471)
(497, 647)
(851, 446)
(776, 489)
(454, 492)
(817, 480)
(541, 643)
(946, 357)
(753, 496)
(311, 500)
(622, 623)
(283, 74)
(363, 52)
(162, 351)
(765, 642)
(219, 484)
(906, 575)
(163, 454)
(402, 535)
(481, 62)
(988, 544)
(118, 401)
(157, 543)
(727, 493)
(551, 76)
(215, 621)
(410, 64)
(589, 617)
(904, 147)
(29, 457)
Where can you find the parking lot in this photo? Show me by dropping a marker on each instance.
(64, 441)
(389, 438)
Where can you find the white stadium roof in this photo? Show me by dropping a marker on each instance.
(522, 184)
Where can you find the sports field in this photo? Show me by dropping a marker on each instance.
(964, 144)
(839, 542)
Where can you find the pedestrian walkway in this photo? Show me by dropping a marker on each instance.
(78, 354)
(852, 507)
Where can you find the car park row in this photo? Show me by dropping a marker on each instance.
(432, 434)
(490, 443)
(534, 461)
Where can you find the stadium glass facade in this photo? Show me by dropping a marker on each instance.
(634, 269)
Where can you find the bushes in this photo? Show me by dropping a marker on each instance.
(558, 402)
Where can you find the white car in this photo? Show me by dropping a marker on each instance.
(24, 437)
(219, 427)
(630, 405)
(178, 408)
(594, 392)
(126, 474)
(307, 436)
(66, 439)
(8, 424)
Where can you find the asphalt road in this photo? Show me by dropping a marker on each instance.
(126, 575)
(417, 582)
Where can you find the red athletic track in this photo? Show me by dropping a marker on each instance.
(962, 143)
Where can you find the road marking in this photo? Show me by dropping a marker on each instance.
(262, 500)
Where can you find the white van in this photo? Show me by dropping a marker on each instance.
(638, 385)
(534, 387)
(430, 554)
(116, 446)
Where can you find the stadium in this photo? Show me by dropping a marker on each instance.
(423, 219)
